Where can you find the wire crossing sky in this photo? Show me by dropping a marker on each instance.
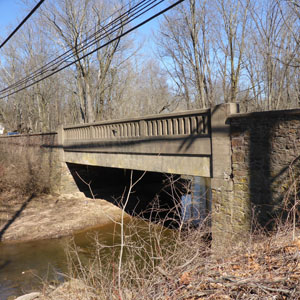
(22, 23)
(135, 16)
(106, 30)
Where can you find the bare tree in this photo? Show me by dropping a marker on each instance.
(31, 108)
(274, 44)
(184, 46)
(71, 21)
(231, 32)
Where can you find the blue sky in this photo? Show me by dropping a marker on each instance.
(11, 13)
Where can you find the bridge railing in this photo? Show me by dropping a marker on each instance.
(156, 134)
(187, 123)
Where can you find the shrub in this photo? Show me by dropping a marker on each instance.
(24, 174)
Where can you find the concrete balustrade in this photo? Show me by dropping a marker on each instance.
(184, 123)
(172, 143)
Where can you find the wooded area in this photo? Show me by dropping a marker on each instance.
(207, 52)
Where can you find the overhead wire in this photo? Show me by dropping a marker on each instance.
(52, 65)
(154, 3)
(61, 57)
(22, 23)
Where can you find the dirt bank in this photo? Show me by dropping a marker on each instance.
(47, 216)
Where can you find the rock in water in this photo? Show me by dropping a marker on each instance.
(30, 296)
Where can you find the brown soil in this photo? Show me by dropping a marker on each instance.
(42, 217)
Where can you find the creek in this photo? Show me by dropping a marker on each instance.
(24, 267)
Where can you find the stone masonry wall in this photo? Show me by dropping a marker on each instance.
(265, 164)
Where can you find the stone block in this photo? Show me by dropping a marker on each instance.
(238, 157)
(237, 142)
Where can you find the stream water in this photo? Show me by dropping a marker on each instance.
(25, 266)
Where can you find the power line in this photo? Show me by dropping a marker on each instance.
(97, 36)
(22, 23)
(120, 25)
(54, 64)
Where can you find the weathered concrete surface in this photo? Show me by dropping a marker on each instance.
(178, 143)
(226, 224)
(197, 166)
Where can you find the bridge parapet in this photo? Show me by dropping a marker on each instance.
(185, 123)
(158, 134)
(178, 143)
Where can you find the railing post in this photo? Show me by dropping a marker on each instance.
(225, 225)
(92, 132)
(143, 128)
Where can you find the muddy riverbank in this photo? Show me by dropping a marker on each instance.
(51, 216)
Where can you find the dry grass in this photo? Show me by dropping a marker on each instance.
(176, 265)
(152, 262)
(24, 174)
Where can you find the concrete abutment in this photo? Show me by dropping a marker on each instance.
(230, 222)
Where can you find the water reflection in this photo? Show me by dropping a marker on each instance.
(196, 205)
(25, 266)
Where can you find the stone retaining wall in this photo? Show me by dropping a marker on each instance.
(255, 161)
(265, 163)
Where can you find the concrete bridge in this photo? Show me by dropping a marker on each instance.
(247, 158)
(190, 143)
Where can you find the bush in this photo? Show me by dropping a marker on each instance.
(23, 174)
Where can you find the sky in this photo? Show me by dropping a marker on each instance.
(11, 13)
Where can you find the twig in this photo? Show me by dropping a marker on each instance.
(132, 184)
(188, 262)
(88, 184)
